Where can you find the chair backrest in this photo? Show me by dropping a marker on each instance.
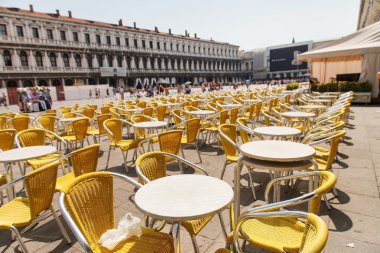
(334, 144)
(85, 160)
(21, 123)
(170, 141)
(7, 137)
(31, 137)
(80, 128)
(192, 128)
(161, 110)
(148, 111)
(105, 109)
(47, 122)
(115, 126)
(223, 115)
(176, 113)
(234, 115)
(52, 111)
(327, 181)
(152, 165)
(69, 115)
(142, 104)
(3, 122)
(228, 130)
(64, 110)
(89, 199)
(40, 187)
(315, 234)
(89, 113)
(243, 134)
(101, 120)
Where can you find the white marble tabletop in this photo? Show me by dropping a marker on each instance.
(320, 100)
(150, 124)
(71, 119)
(231, 105)
(201, 112)
(298, 114)
(183, 197)
(277, 131)
(26, 153)
(278, 151)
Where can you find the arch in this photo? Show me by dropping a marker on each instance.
(28, 83)
(43, 82)
(23, 58)
(12, 84)
(153, 82)
(66, 60)
(92, 81)
(195, 80)
(173, 80)
(109, 60)
(146, 83)
(89, 60)
(138, 83)
(53, 60)
(56, 82)
(38, 57)
(7, 56)
(130, 82)
(99, 57)
(69, 82)
(119, 59)
(78, 60)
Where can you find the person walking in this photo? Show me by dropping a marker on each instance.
(107, 92)
(121, 92)
(90, 93)
(3, 100)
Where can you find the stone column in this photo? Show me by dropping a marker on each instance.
(141, 65)
(163, 64)
(187, 65)
(133, 63)
(31, 59)
(148, 63)
(95, 62)
(181, 64)
(45, 59)
(169, 64)
(124, 62)
(72, 61)
(15, 58)
(175, 64)
(156, 63)
(114, 61)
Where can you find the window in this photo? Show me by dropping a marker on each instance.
(78, 60)
(177, 47)
(75, 36)
(49, 33)
(39, 61)
(119, 61)
(108, 40)
(100, 60)
(19, 31)
(35, 32)
(63, 35)
(164, 46)
(143, 43)
(23, 59)
(118, 41)
(199, 50)
(3, 29)
(98, 40)
(151, 44)
(109, 59)
(87, 38)
(171, 46)
(127, 42)
(204, 50)
(89, 61)
(66, 61)
(7, 58)
(183, 48)
(158, 45)
(188, 49)
(53, 60)
(135, 43)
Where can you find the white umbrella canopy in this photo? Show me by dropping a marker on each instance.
(364, 41)
(188, 82)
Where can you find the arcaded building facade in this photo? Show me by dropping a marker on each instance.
(55, 50)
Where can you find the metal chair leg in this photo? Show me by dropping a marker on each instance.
(199, 154)
(195, 244)
(125, 156)
(223, 225)
(251, 184)
(327, 202)
(108, 158)
(61, 227)
(183, 154)
(224, 169)
(19, 239)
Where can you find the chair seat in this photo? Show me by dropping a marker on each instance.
(195, 226)
(93, 132)
(16, 213)
(127, 144)
(322, 164)
(69, 137)
(184, 140)
(223, 251)
(321, 152)
(149, 242)
(232, 158)
(38, 162)
(63, 181)
(274, 234)
(212, 128)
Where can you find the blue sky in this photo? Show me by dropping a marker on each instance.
(248, 23)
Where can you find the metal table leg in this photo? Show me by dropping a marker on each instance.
(9, 177)
(177, 237)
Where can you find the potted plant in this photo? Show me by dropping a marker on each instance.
(362, 91)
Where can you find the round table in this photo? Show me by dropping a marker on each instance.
(292, 114)
(22, 154)
(321, 101)
(231, 106)
(250, 101)
(312, 107)
(150, 124)
(69, 120)
(201, 113)
(277, 131)
(183, 197)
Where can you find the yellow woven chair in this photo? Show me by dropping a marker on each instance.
(283, 234)
(37, 137)
(177, 118)
(105, 110)
(234, 115)
(79, 134)
(152, 166)
(161, 112)
(114, 128)
(148, 111)
(170, 142)
(100, 130)
(228, 138)
(87, 204)
(25, 212)
(213, 129)
(3, 122)
(89, 113)
(20, 123)
(7, 137)
(84, 160)
(48, 122)
(64, 110)
(191, 138)
(142, 104)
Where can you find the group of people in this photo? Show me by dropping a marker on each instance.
(97, 93)
(34, 99)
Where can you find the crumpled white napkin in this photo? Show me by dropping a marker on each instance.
(128, 226)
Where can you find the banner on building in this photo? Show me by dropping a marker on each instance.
(113, 71)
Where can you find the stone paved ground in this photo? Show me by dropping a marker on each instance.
(355, 216)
